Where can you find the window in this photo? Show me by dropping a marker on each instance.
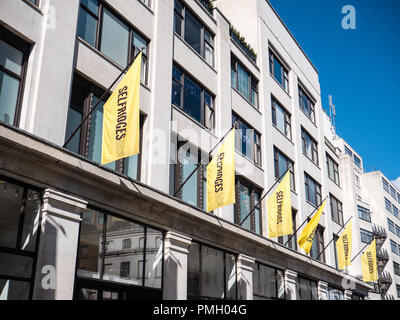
(19, 229)
(281, 119)
(211, 274)
(393, 192)
(306, 289)
(318, 245)
(247, 140)
(126, 244)
(333, 169)
(244, 82)
(313, 190)
(397, 230)
(268, 283)
(348, 151)
(146, 2)
(396, 268)
(310, 146)
(184, 160)
(247, 197)
(278, 70)
(88, 140)
(357, 161)
(196, 35)
(335, 294)
(98, 261)
(393, 246)
(282, 163)
(98, 25)
(395, 211)
(192, 98)
(398, 290)
(336, 210)
(35, 2)
(391, 225)
(388, 205)
(366, 236)
(292, 244)
(364, 213)
(357, 181)
(385, 185)
(306, 104)
(13, 60)
(398, 197)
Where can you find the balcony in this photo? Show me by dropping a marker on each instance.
(383, 257)
(379, 233)
(241, 42)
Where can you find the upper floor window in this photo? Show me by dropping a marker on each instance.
(395, 211)
(393, 192)
(391, 225)
(388, 205)
(281, 118)
(146, 2)
(192, 98)
(307, 104)
(357, 161)
(283, 163)
(98, 25)
(393, 246)
(364, 213)
(310, 146)
(333, 169)
(35, 2)
(247, 140)
(278, 70)
(397, 230)
(247, 197)
(366, 236)
(317, 246)
(193, 31)
(126, 244)
(385, 185)
(398, 197)
(13, 59)
(396, 268)
(88, 140)
(336, 210)
(292, 244)
(243, 81)
(313, 190)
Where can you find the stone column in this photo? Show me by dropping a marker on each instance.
(58, 246)
(245, 266)
(348, 294)
(322, 290)
(175, 266)
(290, 285)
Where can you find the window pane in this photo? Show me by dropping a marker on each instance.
(87, 27)
(267, 282)
(10, 204)
(114, 47)
(15, 266)
(192, 99)
(154, 257)
(8, 97)
(14, 290)
(189, 160)
(243, 82)
(245, 206)
(74, 119)
(178, 24)
(192, 32)
(90, 244)
(278, 71)
(257, 214)
(193, 271)
(212, 283)
(176, 94)
(280, 118)
(118, 230)
(209, 110)
(209, 54)
(233, 78)
(31, 220)
(230, 276)
(10, 57)
(92, 5)
(131, 166)
(139, 42)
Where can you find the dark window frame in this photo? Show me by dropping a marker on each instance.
(317, 195)
(309, 110)
(289, 165)
(310, 281)
(335, 169)
(257, 268)
(292, 244)
(287, 118)
(314, 146)
(364, 213)
(320, 243)
(273, 56)
(339, 206)
(366, 236)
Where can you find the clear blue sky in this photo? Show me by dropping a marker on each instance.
(360, 68)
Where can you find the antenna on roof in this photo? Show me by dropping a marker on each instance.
(332, 114)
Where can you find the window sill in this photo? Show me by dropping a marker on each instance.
(282, 133)
(315, 125)
(314, 163)
(147, 7)
(334, 182)
(248, 159)
(245, 54)
(247, 101)
(33, 6)
(206, 11)
(280, 85)
(196, 53)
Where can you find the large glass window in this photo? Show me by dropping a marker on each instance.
(385, 185)
(103, 253)
(278, 70)
(247, 197)
(283, 163)
(247, 140)
(333, 169)
(388, 205)
(268, 283)
(393, 246)
(336, 210)
(13, 57)
(211, 273)
(391, 225)
(395, 211)
(313, 190)
(88, 140)
(192, 98)
(193, 31)
(307, 104)
(306, 289)
(281, 119)
(364, 213)
(310, 146)
(396, 268)
(397, 230)
(19, 232)
(244, 82)
(366, 236)
(98, 25)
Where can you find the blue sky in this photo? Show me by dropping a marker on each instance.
(360, 68)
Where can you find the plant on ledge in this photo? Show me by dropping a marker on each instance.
(208, 4)
(241, 41)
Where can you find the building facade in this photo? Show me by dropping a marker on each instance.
(73, 229)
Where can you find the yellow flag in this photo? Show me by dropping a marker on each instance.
(368, 263)
(343, 246)
(280, 210)
(221, 175)
(121, 117)
(307, 235)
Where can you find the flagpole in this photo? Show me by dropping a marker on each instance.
(305, 221)
(333, 238)
(362, 249)
(201, 162)
(255, 207)
(101, 99)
